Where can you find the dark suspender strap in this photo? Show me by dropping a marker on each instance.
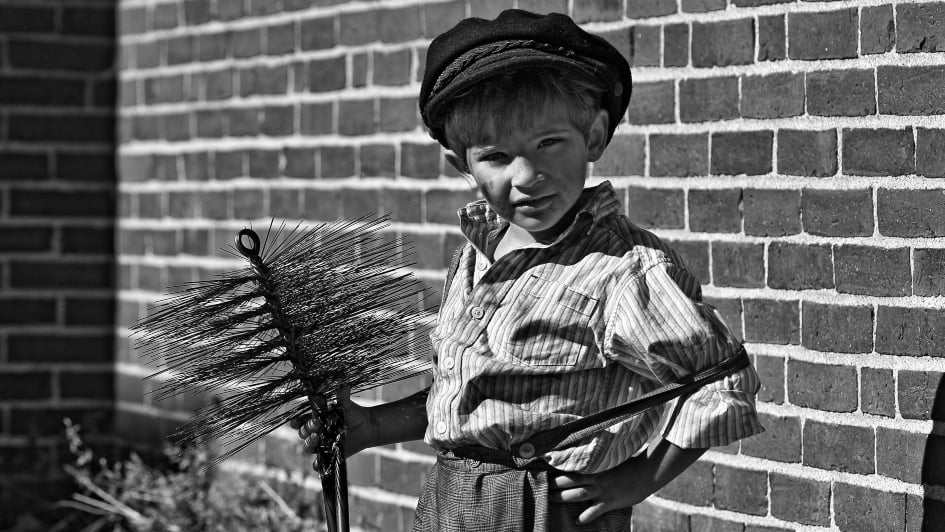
(576, 430)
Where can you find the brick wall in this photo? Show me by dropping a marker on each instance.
(790, 151)
(57, 203)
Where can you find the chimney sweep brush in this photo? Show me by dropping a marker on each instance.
(315, 311)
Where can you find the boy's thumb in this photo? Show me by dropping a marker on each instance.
(344, 396)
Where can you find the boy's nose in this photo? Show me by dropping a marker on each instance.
(523, 173)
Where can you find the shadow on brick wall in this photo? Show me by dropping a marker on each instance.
(933, 465)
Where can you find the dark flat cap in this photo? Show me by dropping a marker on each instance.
(476, 49)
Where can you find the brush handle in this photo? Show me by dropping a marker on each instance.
(248, 251)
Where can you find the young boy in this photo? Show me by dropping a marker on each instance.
(559, 307)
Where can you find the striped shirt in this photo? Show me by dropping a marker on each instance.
(553, 332)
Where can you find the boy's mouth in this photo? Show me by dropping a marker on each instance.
(534, 203)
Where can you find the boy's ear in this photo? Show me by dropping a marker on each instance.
(597, 136)
(456, 162)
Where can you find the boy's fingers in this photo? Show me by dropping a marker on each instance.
(567, 481)
(593, 512)
(297, 421)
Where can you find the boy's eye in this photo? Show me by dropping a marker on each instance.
(491, 157)
(548, 142)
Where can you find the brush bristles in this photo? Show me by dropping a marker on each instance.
(349, 313)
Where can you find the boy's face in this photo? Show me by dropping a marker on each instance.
(533, 176)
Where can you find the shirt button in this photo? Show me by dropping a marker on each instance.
(477, 312)
(448, 362)
(482, 265)
(441, 427)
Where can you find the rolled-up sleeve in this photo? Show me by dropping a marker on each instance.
(658, 326)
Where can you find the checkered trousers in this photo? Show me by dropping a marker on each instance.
(466, 495)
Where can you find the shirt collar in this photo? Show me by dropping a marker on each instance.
(481, 225)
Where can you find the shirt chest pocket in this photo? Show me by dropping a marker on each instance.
(548, 324)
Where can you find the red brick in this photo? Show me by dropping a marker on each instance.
(741, 152)
(359, 27)
(278, 120)
(28, 54)
(877, 30)
(702, 6)
(692, 486)
(695, 255)
(75, 129)
(800, 266)
(440, 17)
(878, 152)
(829, 35)
(679, 155)
(839, 447)
(920, 395)
(873, 271)
(359, 70)
(400, 24)
(218, 85)
(27, 311)
(377, 160)
(844, 329)
(24, 165)
(215, 204)
(264, 164)
(178, 50)
(356, 117)
(715, 211)
(824, 387)
(930, 158)
(878, 392)
(228, 164)
(625, 156)
(197, 12)
(651, 518)
(442, 204)
(656, 207)
(398, 114)
(164, 16)
(28, 19)
(911, 213)
(730, 42)
(87, 240)
(909, 331)
(248, 204)
(392, 68)
(286, 203)
(772, 212)
(317, 118)
(781, 440)
(25, 238)
(738, 264)
(43, 420)
(209, 124)
(900, 455)
(176, 126)
(652, 103)
(645, 45)
(740, 490)
(929, 272)
(754, 3)
(318, 33)
(336, 161)
(280, 39)
(356, 202)
(841, 93)
(771, 38)
(242, 122)
(326, 74)
(321, 205)
(771, 372)
(675, 43)
(860, 508)
(488, 9)
(85, 275)
(264, 80)
(800, 500)
(837, 212)
(714, 524)
(772, 96)
(86, 385)
(920, 28)
(402, 204)
(708, 100)
(911, 90)
(420, 160)
(596, 10)
(774, 322)
(34, 90)
(650, 8)
(47, 348)
(29, 386)
(246, 43)
(150, 205)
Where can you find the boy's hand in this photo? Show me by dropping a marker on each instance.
(361, 429)
(625, 485)
(620, 487)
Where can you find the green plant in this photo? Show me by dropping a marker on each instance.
(184, 496)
